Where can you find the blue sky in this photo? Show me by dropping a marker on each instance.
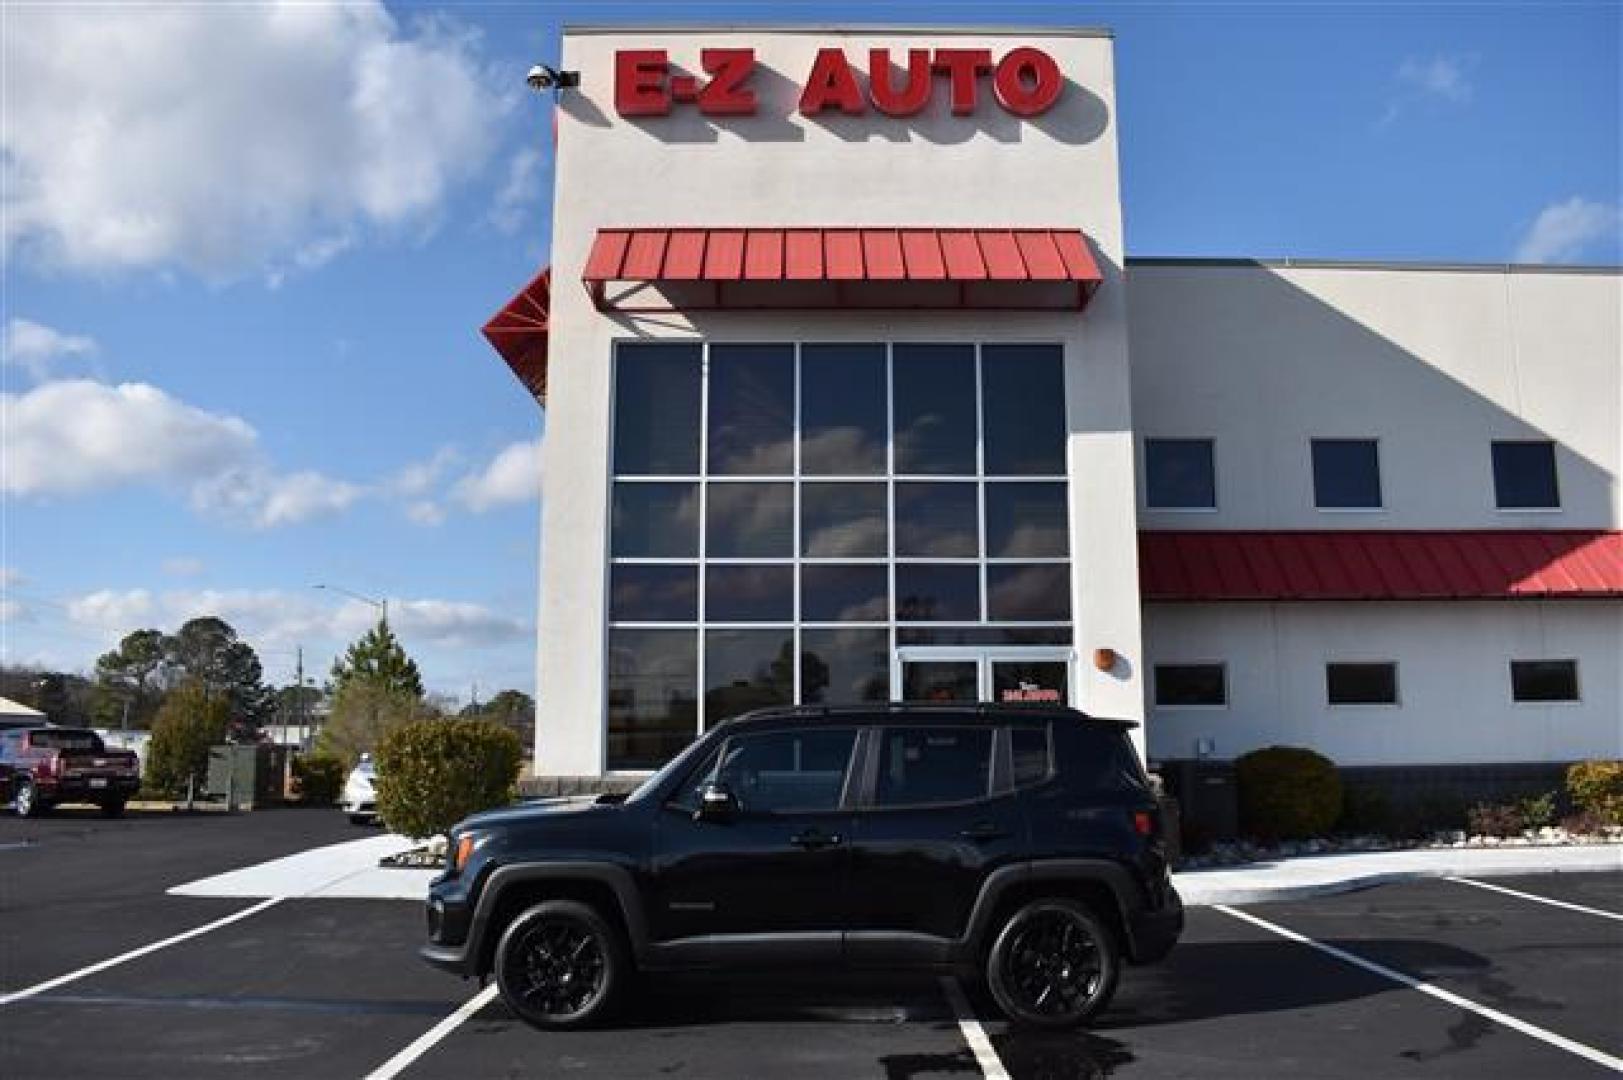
(247, 251)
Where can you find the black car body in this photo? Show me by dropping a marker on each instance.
(886, 836)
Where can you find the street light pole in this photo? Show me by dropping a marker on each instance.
(382, 605)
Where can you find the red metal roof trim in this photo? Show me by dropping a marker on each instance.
(519, 333)
(1385, 565)
(1043, 269)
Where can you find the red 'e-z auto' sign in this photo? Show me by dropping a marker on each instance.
(1025, 82)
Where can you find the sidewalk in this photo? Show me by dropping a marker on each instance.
(350, 871)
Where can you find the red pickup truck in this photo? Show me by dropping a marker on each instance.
(43, 766)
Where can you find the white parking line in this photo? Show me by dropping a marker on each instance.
(134, 954)
(975, 1035)
(427, 1040)
(1560, 1042)
(1540, 899)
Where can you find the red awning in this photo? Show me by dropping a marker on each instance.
(1477, 565)
(641, 270)
(519, 332)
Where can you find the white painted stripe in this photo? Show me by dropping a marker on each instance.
(975, 1035)
(428, 1039)
(1541, 899)
(135, 954)
(1560, 1042)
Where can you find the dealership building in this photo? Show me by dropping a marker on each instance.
(852, 394)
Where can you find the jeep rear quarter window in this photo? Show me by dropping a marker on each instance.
(1030, 748)
(924, 766)
(1098, 758)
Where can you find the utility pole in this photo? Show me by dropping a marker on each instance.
(298, 696)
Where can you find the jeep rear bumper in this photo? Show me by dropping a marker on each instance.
(1152, 934)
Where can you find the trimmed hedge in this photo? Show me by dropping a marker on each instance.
(1596, 787)
(433, 773)
(318, 778)
(1287, 793)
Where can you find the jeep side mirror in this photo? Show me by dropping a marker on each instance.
(716, 804)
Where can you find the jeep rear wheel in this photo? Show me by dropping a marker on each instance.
(560, 965)
(1053, 965)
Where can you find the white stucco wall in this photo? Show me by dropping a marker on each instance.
(1434, 363)
(779, 168)
(1454, 700)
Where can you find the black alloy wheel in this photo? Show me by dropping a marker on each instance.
(559, 965)
(1053, 965)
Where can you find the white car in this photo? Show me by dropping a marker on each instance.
(360, 801)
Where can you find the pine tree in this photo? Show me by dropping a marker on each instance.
(378, 659)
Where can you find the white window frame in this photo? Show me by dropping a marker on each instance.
(1228, 695)
(1577, 682)
(1313, 476)
(1144, 471)
(1555, 467)
(1344, 661)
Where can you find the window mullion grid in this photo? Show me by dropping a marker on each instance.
(704, 530)
(890, 514)
(794, 531)
(980, 483)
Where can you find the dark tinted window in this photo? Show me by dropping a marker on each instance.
(749, 521)
(656, 521)
(1524, 476)
(1026, 521)
(835, 593)
(1023, 409)
(782, 771)
(656, 409)
(1346, 474)
(652, 696)
(934, 592)
(983, 635)
(934, 396)
(654, 592)
(746, 669)
(1178, 474)
(1190, 684)
(1361, 684)
(842, 410)
(937, 520)
(1030, 748)
(752, 410)
(920, 766)
(842, 667)
(66, 739)
(1028, 592)
(843, 521)
(1544, 680)
(753, 592)
(1094, 757)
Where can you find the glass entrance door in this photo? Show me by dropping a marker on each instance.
(999, 675)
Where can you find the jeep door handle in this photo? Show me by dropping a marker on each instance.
(985, 831)
(814, 840)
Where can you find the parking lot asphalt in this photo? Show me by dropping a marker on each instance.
(332, 988)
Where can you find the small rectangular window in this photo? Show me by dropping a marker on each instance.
(1346, 474)
(1544, 680)
(1179, 474)
(1030, 749)
(656, 409)
(1190, 684)
(923, 766)
(1361, 684)
(654, 592)
(1524, 476)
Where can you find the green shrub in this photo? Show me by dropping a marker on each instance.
(1366, 811)
(318, 778)
(1597, 787)
(433, 773)
(190, 721)
(1287, 793)
(1537, 811)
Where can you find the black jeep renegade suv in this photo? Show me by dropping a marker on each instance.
(1018, 843)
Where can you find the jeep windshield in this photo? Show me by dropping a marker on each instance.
(673, 767)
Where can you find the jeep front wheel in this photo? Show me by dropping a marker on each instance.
(560, 965)
(1053, 965)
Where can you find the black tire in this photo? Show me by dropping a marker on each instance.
(359, 819)
(27, 800)
(113, 808)
(1054, 964)
(561, 965)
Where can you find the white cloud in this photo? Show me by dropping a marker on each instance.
(1441, 77)
(233, 139)
(512, 476)
(12, 611)
(10, 576)
(520, 192)
(183, 566)
(419, 477)
(1563, 231)
(36, 348)
(112, 610)
(454, 623)
(77, 435)
(425, 512)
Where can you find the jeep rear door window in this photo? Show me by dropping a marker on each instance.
(924, 765)
(782, 771)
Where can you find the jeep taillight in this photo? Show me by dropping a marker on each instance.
(1144, 822)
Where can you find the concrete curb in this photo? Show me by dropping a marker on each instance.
(1327, 875)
